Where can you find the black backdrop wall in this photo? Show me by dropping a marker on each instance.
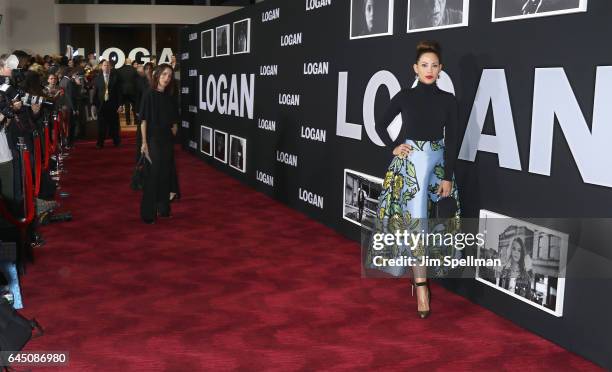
(528, 57)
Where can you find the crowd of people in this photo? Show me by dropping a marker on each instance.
(37, 90)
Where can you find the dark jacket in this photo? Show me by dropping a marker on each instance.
(71, 93)
(115, 93)
(142, 87)
(129, 77)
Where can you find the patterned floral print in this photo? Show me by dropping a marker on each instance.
(409, 189)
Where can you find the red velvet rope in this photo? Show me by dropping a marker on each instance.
(37, 164)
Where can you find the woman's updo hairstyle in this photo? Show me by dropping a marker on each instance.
(428, 46)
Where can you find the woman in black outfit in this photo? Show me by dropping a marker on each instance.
(143, 85)
(425, 154)
(160, 115)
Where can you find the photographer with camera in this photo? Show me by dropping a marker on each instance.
(7, 108)
(27, 119)
(81, 99)
(68, 101)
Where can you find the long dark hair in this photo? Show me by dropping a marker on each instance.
(521, 261)
(157, 74)
(148, 70)
(32, 83)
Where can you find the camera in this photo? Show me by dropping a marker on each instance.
(79, 79)
(18, 76)
(6, 110)
(10, 94)
(13, 93)
(30, 99)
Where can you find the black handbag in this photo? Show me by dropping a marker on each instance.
(15, 330)
(444, 208)
(138, 176)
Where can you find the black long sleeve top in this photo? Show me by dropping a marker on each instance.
(428, 114)
(161, 112)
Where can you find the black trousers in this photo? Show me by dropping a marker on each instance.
(158, 181)
(72, 125)
(174, 185)
(130, 106)
(138, 136)
(82, 120)
(108, 124)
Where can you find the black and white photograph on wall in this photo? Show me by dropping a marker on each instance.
(361, 192)
(206, 140)
(533, 260)
(508, 10)
(370, 18)
(221, 146)
(207, 43)
(242, 36)
(222, 40)
(426, 15)
(238, 153)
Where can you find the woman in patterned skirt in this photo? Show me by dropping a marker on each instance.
(425, 155)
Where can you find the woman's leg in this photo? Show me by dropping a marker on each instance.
(424, 162)
(138, 140)
(148, 205)
(174, 187)
(165, 179)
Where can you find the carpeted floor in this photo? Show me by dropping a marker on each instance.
(236, 280)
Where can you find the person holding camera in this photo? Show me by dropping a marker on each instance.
(16, 121)
(67, 102)
(7, 64)
(80, 100)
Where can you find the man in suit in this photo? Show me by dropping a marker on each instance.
(108, 98)
(129, 78)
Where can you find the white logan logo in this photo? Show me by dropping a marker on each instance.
(311, 198)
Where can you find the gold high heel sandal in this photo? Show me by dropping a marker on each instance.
(422, 313)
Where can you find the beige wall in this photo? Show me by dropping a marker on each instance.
(132, 14)
(3, 38)
(29, 25)
(33, 25)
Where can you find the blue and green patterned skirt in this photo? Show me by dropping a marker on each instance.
(409, 189)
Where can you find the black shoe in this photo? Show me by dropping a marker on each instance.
(98, 146)
(423, 314)
(149, 222)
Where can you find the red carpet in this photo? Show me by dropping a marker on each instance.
(236, 280)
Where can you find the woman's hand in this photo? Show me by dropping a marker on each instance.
(402, 150)
(444, 189)
(174, 129)
(144, 149)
